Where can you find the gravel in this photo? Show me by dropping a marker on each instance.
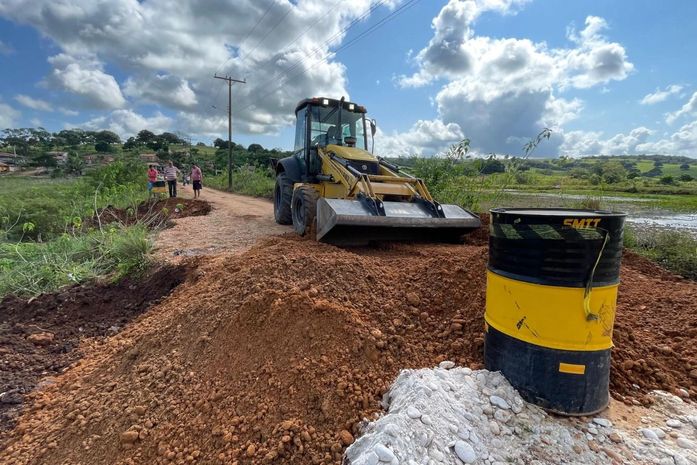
(467, 417)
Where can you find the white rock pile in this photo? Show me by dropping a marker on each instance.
(450, 415)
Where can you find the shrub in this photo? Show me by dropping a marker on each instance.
(668, 180)
(673, 249)
(247, 180)
(31, 268)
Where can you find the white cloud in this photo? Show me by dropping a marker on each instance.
(424, 138)
(660, 95)
(501, 91)
(170, 50)
(8, 116)
(578, 143)
(34, 104)
(690, 108)
(127, 123)
(594, 60)
(84, 77)
(164, 89)
(681, 142)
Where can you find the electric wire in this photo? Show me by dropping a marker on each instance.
(378, 25)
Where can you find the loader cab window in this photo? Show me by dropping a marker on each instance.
(325, 130)
(300, 129)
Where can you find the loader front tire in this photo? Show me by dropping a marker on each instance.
(304, 209)
(282, 196)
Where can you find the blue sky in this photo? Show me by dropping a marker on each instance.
(607, 77)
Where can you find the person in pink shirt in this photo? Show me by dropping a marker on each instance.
(196, 178)
(152, 177)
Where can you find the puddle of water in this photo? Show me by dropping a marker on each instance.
(685, 222)
(605, 198)
(639, 211)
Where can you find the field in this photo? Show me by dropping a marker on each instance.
(58, 232)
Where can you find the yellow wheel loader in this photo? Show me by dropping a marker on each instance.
(334, 187)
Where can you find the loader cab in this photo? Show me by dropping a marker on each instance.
(321, 122)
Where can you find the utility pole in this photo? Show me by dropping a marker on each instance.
(229, 124)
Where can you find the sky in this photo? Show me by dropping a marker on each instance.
(607, 77)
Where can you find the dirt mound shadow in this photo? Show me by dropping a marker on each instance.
(39, 337)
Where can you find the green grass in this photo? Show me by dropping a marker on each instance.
(247, 180)
(32, 268)
(674, 250)
(43, 209)
(43, 241)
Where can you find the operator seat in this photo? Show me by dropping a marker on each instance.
(332, 135)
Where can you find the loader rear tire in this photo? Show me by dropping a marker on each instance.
(282, 196)
(304, 208)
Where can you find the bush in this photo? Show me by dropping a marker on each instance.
(591, 202)
(686, 178)
(668, 180)
(675, 250)
(31, 268)
(247, 180)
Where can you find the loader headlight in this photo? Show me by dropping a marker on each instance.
(325, 102)
(351, 106)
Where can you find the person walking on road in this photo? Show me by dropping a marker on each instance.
(171, 172)
(196, 179)
(152, 178)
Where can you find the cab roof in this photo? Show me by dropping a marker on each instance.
(330, 102)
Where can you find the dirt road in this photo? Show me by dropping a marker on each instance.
(234, 224)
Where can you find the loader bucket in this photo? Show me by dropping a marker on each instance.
(349, 222)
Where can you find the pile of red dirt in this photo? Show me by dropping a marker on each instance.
(38, 337)
(655, 332)
(154, 213)
(279, 355)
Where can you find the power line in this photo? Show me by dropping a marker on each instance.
(290, 8)
(319, 50)
(251, 31)
(281, 79)
(314, 52)
(239, 47)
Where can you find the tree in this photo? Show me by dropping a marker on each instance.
(103, 147)
(667, 180)
(145, 136)
(158, 145)
(44, 159)
(614, 172)
(75, 164)
(686, 177)
(108, 137)
(255, 148)
(72, 136)
(130, 143)
(169, 138)
(685, 167)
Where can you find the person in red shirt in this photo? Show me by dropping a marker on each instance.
(196, 178)
(152, 177)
